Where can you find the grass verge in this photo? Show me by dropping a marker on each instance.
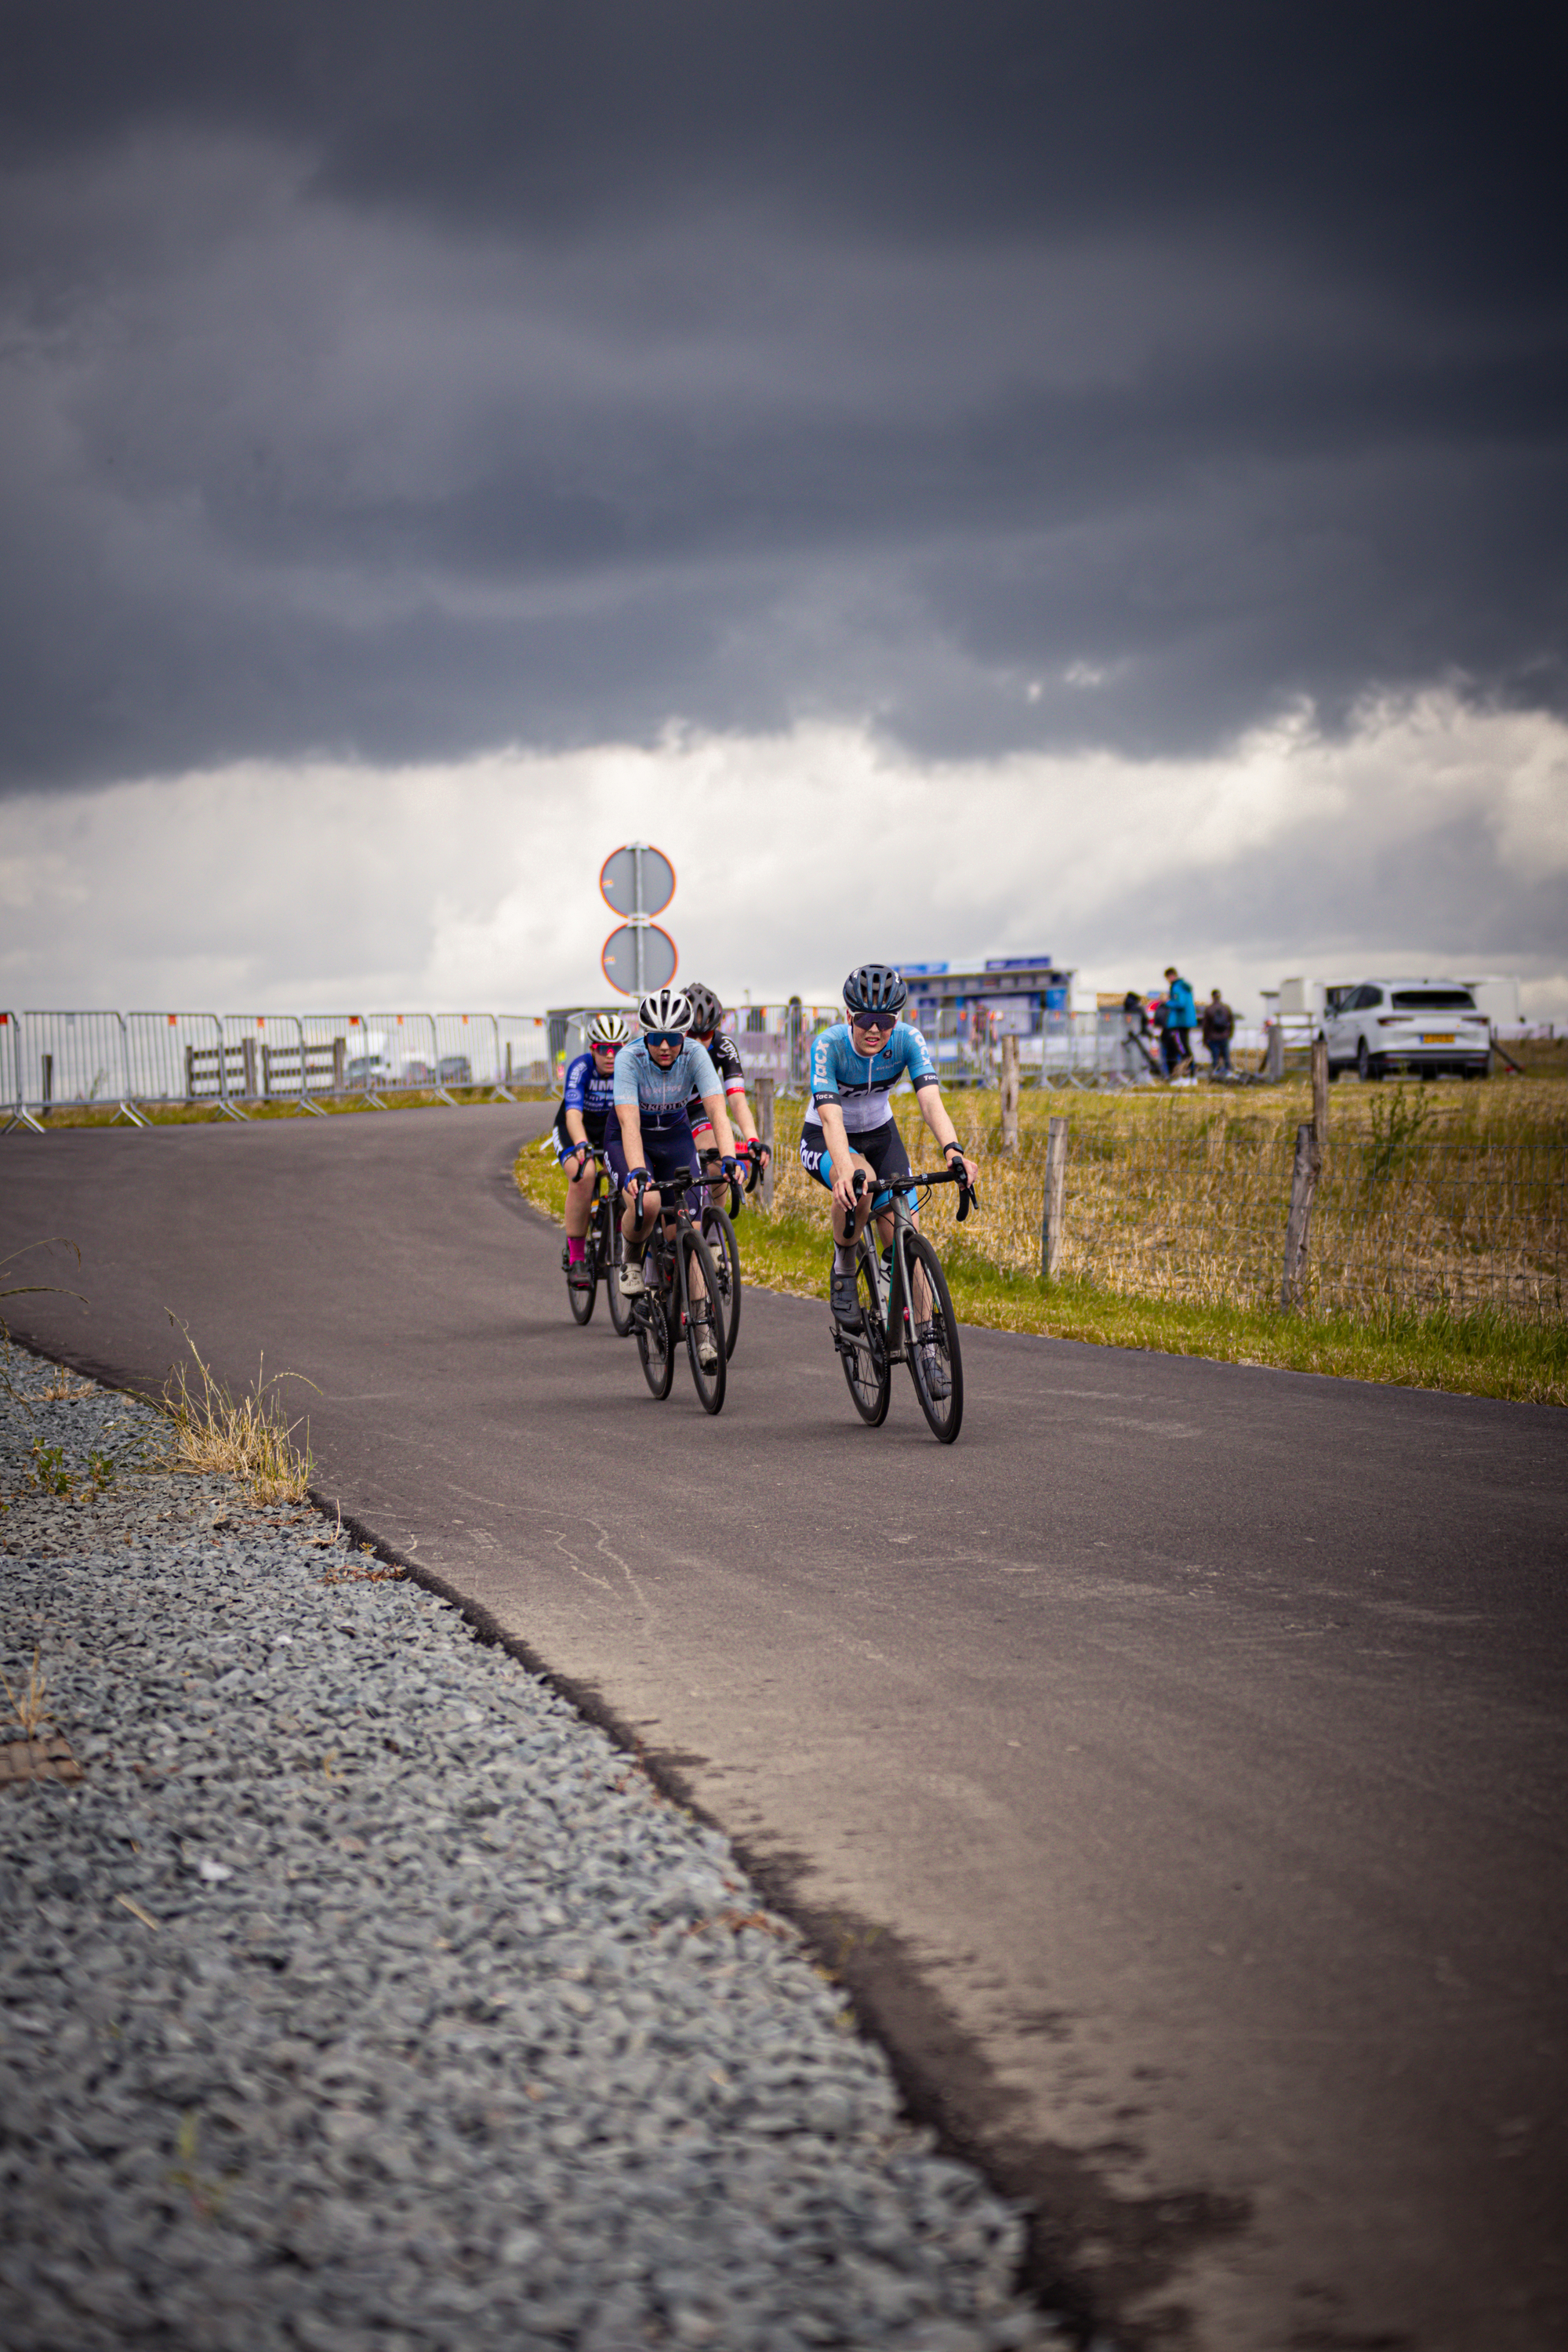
(205, 1112)
(1481, 1353)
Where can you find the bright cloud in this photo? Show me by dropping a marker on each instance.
(1429, 833)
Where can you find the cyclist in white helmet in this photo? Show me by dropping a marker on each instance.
(649, 1140)
(580, 1119)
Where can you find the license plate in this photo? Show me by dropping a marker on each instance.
(1431, 1037)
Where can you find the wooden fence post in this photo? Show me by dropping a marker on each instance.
(1009, 1094)
(1274, 1051)
(1320, 1089)
(1298, 1229)
(1053, 1208)
(765, 1093)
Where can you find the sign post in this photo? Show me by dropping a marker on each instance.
(637, 882)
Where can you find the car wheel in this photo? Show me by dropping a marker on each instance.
(1368, 1066)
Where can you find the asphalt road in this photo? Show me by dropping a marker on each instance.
(1174, 1767)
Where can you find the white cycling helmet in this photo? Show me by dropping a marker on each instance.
(609, 1029)
(666, 1008)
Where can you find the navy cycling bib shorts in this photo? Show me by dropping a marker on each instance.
(669, 1154)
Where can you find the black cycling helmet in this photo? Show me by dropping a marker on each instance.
(706, 1009)
(876, 988)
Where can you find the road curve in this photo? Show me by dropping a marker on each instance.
(1174, 1767)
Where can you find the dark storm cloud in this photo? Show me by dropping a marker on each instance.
(402, 381)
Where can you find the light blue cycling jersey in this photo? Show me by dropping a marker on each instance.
(661, 1095)
(860, 1083)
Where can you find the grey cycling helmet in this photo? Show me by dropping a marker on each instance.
(876, 988)
(666, 1008)
(706, 1009)
(609, 1029)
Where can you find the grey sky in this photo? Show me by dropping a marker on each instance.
(396, 382)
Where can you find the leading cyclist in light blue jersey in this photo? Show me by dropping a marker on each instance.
(850, 1125)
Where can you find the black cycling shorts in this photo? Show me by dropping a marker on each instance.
(565, 1143)
(882, 1146)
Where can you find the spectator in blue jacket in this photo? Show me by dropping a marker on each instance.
(1179, 1014)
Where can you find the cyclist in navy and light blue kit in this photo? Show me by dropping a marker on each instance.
(580, 1119)
(649, 1138)
(849, 1126)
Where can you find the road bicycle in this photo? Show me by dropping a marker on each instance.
(603, 1256)
(896, 1326)
(716, 1227)
(673, 1306)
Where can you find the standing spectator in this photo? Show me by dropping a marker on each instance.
(1218, 1028)
(1178, 1016)
(1138, 1063)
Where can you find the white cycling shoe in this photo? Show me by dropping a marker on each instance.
(631, 1281)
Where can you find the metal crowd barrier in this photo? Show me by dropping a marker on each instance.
(70, 1058)
(11, 1101)
(466, 1050)
(522, 1049)
(178, 1057)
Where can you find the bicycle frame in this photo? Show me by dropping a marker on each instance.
(892, 1293)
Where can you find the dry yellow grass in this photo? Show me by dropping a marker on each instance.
(246, 1438)
(1429, 1195)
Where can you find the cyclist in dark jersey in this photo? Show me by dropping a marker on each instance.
(580, 1116)
(724, 1053)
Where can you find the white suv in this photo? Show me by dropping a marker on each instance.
(1430, 1025)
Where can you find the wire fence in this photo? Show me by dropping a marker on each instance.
(1172, 1199)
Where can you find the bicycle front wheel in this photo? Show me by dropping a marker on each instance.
(654, 1345)
(935, 1364)
(704, 1318)
(719, 1235)
(583, 1280)
(864, 1353)
(613, 1248)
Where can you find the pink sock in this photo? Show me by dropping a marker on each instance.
(574, 1247)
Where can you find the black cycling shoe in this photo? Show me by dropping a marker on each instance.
(845, 1299)
(933, 1364)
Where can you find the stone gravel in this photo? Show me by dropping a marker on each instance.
(362, 1994)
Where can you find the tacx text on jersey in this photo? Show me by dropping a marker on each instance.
(860, 1083)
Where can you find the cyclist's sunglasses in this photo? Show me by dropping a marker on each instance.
(665, 1037)
(881, 1024)
(606, 1044)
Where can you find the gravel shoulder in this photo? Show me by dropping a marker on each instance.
(360, 1994)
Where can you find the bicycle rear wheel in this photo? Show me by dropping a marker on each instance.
(614, 1257)
(864, 1353)
(935, 1365)
(719, 1235)
(704, 1318)
(654, 1345)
